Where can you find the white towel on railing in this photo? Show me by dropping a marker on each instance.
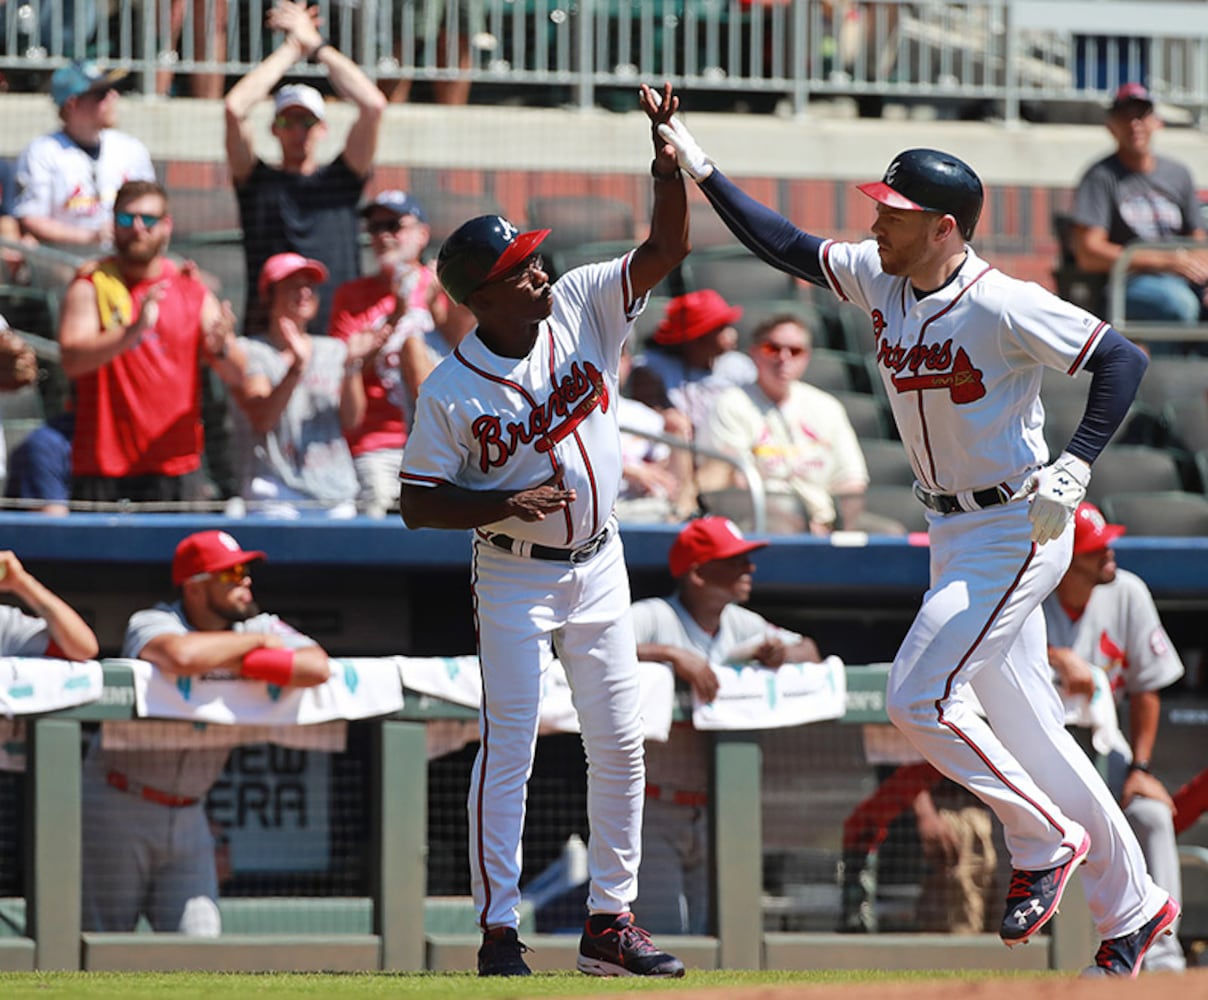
(359, 688)
(756, 697)
(31, 685)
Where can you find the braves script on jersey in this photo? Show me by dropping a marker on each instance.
(488, 422)
(961, 366)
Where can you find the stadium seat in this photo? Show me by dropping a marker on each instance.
(1169, 514)
(1169, 378)
(887, 463)
(575, 220)
(446, 210)
(830, 370)
(1186, 421)
(1125, 468)
(737, 274)
(866, 413)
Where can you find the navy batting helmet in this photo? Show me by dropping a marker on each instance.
(926, 180)
(482, 249)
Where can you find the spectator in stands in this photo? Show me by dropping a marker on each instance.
(149, 849)
(692, 358)
(419, 356)
(134, 331)
(301, 206)
(387, 309)
(1101, 617)
(15, 268)
(67, 180)
(209, 36)
(1134, 195)
(797, 437)
(657, 482)
(300, 396)
(432, 29)
(54, 629)
(40, 466)
(700, 627)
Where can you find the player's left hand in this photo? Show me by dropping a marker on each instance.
(1056, 490)
(1148, 787)
(537, 501)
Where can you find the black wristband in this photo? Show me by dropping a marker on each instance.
(314, 56)
(1140, 765)
(663, 177)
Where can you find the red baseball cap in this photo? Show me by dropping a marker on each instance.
(282, 265)
(1132, 93)
(208, 552)
(693, 315)
(706, 539)
(1092, 533)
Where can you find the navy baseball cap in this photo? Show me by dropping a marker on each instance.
(1132, 93)
(79, 78)
(399, 202)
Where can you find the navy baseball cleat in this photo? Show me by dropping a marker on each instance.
(1121, 956)
(613, 945)
(1035, 896)
(500, 954)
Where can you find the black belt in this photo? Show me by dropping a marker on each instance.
(535, 551)
(947, 503)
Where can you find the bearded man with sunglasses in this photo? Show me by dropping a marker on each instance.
(798, 436)
(134, 330)
(303, 206)
(149, 848)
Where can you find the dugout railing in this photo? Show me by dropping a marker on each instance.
(399, 941)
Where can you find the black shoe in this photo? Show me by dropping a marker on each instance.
(1121, 956)
(624, 949)
(500, 954)
(1034, 897)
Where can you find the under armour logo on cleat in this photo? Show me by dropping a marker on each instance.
(1021, 915)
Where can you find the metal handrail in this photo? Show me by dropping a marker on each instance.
(1117, 283)
(755, 487)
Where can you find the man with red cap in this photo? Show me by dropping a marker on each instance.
(1103, 618)
(697, 631)
(301, 395)
(149, 848)
(692, 357)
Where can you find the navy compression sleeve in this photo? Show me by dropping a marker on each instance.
(767, 234)
(1116, 366)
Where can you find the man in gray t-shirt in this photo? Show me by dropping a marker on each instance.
(148, 847)
(1133, 196)
(1101, 617)
(701, 626)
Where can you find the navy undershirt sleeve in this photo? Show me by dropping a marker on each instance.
(766, 233)
(1117, 366)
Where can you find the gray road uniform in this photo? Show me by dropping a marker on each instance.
(22, 634)
(674, 882)
(147, 842)
(1120, 632)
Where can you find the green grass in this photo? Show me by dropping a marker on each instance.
(429, 986)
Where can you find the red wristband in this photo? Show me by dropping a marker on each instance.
(276, 666)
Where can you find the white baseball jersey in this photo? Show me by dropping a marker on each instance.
(960, 366)
(488, 422)
(57, 179)
(1120, 632)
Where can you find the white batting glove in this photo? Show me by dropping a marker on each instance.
(691, 157)
(1057, 491)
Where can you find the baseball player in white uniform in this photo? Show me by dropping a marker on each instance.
(1102, 617)
(149, 847)
(54, 629)
(516, 437)
(961, 348)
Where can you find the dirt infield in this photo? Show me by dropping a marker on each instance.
(1192, 984)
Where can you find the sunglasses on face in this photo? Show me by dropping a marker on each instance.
(769, 350)
(126, 219)
(303, 121)
(380, 226)
(233, 575)
(525, 269)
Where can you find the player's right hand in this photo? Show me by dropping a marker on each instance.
(691, 157)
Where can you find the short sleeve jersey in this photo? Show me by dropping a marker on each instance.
(22, 634)
(182, 772)
(1119, 631)
(57, 179)
(694, 391)
(486, 422)
(962, 366)
(682, 762)
(804, 442)
(1133, 206)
